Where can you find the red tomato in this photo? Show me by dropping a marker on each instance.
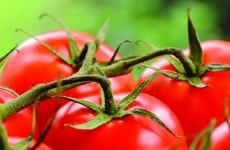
(35, 64)
(127, 133)
(42, 146)
(221, 137)
(195, 107)
(19, 124)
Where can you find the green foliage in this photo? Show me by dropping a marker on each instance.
(156, 21)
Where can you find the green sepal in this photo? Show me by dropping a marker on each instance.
(147, 44)
(194, 46)
(196, 82)
(3, 58)
(168, 73)
(96, 122)
(93, 106)
(216, 67)
(74, 50)
(132, 96)
(89, 58)
(51, 49)
(22, 145)
(152, 116)
(203, 139)
(102, 33)
(82, 54)
(117, 50)
(176, 64)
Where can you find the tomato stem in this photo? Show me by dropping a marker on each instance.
(117, 50)
(40, 91)
(124, 65)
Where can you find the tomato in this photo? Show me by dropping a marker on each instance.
(127, 133)
(221, 137)
(19, 124)
(35, 64)
(14, 140)
(41, 66)
(195, 107)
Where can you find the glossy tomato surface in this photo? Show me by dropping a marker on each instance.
(221, 137)
(128, 133)
(33, 64)
(195, 107)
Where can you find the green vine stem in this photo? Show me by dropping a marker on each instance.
(40, 91)
(123, 66)
(117, 68)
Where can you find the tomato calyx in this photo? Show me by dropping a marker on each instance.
(76, 57)
(194, 68)
(109, 110)
(74, 50)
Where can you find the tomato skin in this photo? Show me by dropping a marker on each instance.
(221, 137)
(19, 124)
(193, 105)
(34, 64)
(130, 132)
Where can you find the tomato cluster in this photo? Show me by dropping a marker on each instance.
(167, 114)
(34, 64)
(43, 66)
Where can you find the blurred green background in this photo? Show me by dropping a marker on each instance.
(161, 22)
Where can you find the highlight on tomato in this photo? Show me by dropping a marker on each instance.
(221, 137)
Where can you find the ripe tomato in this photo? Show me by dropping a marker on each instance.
(35, 64)
(221, 137)
(195, 107)
(14, 140)
(127, 133)
(19, 124)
